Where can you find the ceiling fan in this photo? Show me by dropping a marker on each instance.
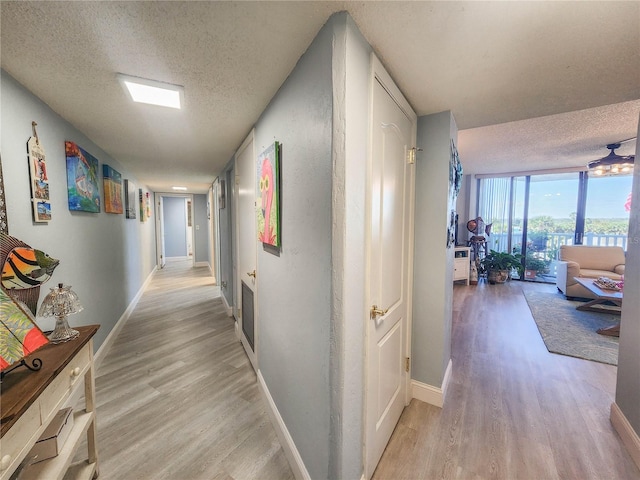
(613, 164)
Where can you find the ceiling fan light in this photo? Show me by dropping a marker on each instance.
(612, 164)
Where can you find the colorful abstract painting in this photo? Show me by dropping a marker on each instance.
(82, 179)
(145, 205)
(112, 182)
(268, 205)
(19, 335)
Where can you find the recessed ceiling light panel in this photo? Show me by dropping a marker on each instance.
(180, 188)
(142, 90)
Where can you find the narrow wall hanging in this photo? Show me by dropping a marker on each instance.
(143, 208)
(112, 183)
(129, 199)
(82, 179)
(39, 181)
(268, 205)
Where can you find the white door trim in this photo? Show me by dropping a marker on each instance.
(251, 353)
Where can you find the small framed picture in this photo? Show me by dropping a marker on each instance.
(129, 199)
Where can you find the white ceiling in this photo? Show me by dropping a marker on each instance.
(531, 84)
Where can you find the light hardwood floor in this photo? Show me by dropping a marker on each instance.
(177, 398)
(513, 410)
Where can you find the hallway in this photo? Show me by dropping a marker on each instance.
(177, 397)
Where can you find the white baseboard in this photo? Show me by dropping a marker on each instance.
(629, 437)
(430, 394)
(290, 450)
(227, 307)
(202, 264)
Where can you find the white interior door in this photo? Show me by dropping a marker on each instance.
(391, 209)
(245, 161)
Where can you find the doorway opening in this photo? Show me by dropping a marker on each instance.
(175, 232)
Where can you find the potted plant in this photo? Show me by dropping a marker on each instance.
(534, 265)
(498, 265)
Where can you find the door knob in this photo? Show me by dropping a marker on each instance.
(252, 274)
(375, 311)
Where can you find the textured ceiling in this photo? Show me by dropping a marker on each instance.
(509, 71)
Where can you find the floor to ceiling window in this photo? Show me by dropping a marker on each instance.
(535, 214)
(607, 210)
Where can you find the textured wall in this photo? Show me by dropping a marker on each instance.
(105, 257)
(294, 288)
(351, 79)
(202, 249)
(227, 236)
(433, 262)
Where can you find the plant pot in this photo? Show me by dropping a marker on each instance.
(498, 276)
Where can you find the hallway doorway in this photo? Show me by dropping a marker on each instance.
(174, 228)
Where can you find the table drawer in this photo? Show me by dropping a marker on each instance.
(57, 392)
(24, 432)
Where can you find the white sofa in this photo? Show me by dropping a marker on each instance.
(589, 262)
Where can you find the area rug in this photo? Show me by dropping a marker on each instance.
(568, 331)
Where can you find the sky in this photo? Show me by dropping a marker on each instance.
(606, 197)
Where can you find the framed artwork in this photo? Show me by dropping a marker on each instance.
(147, 204)
(41, 211)
(19, 335)
(82, 179)
(112, 182)
(130, 199)
(268, 209)
(39, 180)
(143, 209)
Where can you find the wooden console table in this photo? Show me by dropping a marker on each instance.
(30, 400)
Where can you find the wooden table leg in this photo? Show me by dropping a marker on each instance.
(613, 331)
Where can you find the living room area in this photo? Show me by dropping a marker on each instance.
(557, 320)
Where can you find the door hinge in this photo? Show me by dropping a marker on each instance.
(237, 179)
(411, 155)
(407, 364)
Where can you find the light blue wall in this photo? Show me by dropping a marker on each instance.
(433, 261)
(351, 81)
(105, 257)
(202, 250)
(294, 288)
(175, 227)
